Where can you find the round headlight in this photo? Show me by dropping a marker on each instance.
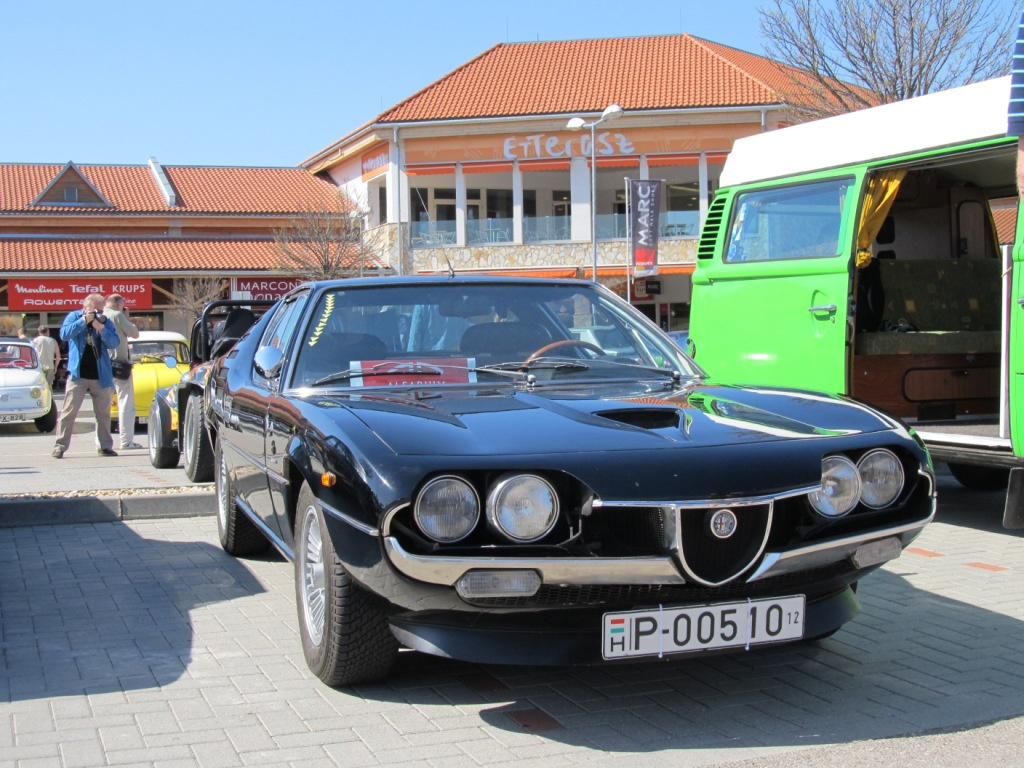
(840, 487)
(447, 509)
(35, 393)
(881, 475)
(522, 507)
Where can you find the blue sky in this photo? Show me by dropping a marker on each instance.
(268, 83)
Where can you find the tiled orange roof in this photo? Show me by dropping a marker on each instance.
(200, 190)
(637, 73)
(140, 255)
(1006, 223)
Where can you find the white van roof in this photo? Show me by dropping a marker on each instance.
(946, 118)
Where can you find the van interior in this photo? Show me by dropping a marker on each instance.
(928, 328)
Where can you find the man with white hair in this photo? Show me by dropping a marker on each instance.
(117, 313)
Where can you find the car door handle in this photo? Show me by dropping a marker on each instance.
(823, 308)
(1020, 302)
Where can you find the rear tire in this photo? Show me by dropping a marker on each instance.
(48, 423)
(345, 634)
(196, 442)
(238, 535)
(980, 478)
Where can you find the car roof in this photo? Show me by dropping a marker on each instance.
(159, 336)
(970, 113)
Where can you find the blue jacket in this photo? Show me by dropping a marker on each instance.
(74, 331)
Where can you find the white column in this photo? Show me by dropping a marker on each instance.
(579, 193)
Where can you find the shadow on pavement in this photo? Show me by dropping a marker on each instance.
(97, 608)
(101, 609)
(911, 662)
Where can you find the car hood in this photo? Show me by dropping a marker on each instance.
(623, 441)
(20, 377)
(154, 376)
(505, 421)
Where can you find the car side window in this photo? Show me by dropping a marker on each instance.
(281, 328)
(794, 222)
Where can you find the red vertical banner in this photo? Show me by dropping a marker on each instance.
(645, 209)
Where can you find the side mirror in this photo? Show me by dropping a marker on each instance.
(268, 362)
(691, 348)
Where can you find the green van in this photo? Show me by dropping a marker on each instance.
(873, 254)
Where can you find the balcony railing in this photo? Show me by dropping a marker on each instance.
(541, 228)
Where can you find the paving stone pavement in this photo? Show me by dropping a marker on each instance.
(142, 643)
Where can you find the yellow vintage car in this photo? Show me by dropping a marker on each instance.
(159, 358)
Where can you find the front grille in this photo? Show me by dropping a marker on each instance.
(631, 531)
(715, 560)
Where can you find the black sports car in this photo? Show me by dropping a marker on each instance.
(523, 471)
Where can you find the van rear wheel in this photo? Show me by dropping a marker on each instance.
(979, 478)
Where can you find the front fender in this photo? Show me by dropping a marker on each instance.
(163, 415)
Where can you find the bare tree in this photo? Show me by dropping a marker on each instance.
(192, 293)
(326, 243)
(852, 54)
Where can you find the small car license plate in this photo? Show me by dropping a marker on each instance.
(12, 417)
(702, 627)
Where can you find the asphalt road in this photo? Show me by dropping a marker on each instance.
(139, 642)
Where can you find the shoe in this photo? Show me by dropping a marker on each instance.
(131, 447)
(106, 452)
(58, 453)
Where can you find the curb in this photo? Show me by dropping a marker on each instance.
(104, 509)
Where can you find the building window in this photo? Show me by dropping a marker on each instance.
(546, 207)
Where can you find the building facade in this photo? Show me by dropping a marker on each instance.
(149, 232)
(519, 161)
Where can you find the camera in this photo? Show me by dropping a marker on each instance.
(97, 316)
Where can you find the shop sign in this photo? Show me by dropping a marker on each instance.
(544, 145)
(31, 295)
(262, 288)
(374, 161)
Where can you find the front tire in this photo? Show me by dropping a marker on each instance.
(238, 535)
(345, 634)
(161, 455)
(196, 442)
(48, 423)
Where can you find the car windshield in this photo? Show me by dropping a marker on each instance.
(156, 351)
(467, 332)
(17, 356)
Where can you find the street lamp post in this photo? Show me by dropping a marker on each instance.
(611, 112)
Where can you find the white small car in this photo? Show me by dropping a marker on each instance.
(24, 391)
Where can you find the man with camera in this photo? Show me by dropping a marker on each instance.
(90, 338)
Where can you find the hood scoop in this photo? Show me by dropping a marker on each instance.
(644, 418)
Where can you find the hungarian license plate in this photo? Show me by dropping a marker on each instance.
(6, 417)
(666, 631)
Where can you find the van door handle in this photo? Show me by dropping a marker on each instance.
(823, 308)
(1020, 302)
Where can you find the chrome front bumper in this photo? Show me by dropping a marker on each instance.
(565, 571)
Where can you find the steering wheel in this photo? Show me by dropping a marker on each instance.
(565, 343)
(21, 364)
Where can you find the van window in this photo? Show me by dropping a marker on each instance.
(793, 222)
